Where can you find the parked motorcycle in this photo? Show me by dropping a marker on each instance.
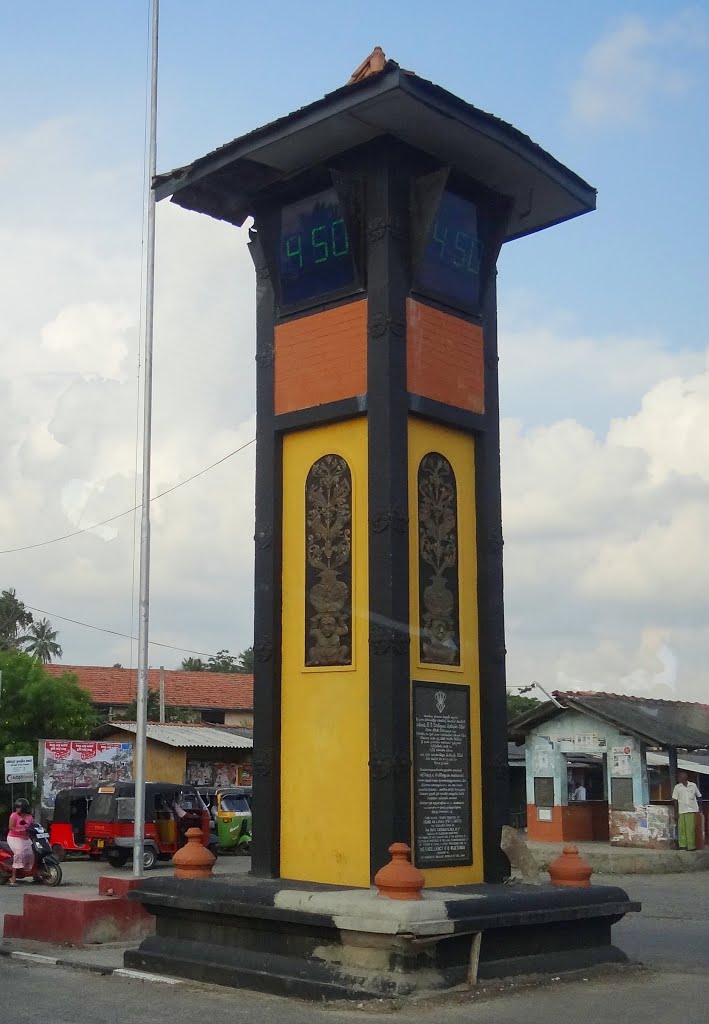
(45, 870)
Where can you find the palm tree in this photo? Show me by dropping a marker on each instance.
(41, 641)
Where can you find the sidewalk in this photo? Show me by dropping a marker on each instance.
(99, 959)
(622, 860)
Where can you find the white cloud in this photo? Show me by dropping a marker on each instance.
(605, 480)
(607, 550)
(637, 63)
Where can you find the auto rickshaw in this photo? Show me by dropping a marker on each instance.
(170, 810)
(67, 832)
(233, 807)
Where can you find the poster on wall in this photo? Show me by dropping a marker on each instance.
(218, 774)
(621, 762)
(69, 764)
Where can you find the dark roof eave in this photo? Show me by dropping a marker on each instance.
(190, 188)
(171, 182)
(625, 727)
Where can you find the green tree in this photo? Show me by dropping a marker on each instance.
(517, 705)
(35, 705)
(14, 620)
(222, 661)
(246, 660)
(41, 642)
(193, 665)
(172, 714)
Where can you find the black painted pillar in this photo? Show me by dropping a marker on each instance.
(265, 856)
(491, 619)
(389, 682)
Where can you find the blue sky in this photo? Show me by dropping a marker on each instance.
(603, 321)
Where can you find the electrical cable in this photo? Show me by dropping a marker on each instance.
(112, 519)
(114, 632)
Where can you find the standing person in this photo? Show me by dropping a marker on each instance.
(686, 796)
(18, 839)
(579, 792)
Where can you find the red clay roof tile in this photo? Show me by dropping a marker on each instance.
(117, 686)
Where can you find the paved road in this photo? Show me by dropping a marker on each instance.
(672, 932)
(67, 997)
(671, 936)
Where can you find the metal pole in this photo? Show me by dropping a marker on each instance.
(144, 601)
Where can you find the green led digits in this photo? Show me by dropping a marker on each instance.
(340, 241)
(440, 239)
(294, 252)
(462, 254)
(319, 247)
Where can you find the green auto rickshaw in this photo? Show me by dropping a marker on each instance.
(231, 810)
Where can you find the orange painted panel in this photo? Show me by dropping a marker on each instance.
(321, 358)
(444, 357)
(545, 831)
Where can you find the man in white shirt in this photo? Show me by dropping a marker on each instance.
(579, 792)
(686, 796)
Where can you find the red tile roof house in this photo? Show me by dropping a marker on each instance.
(220, 698)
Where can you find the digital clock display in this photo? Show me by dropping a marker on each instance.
(315, 256)
(451, 265)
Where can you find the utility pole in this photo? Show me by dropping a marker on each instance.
(144, 600)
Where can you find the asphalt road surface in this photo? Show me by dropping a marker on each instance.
(671, 936)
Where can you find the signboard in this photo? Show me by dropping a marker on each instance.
(69, 764)
(19, 769)
(442, 797)
(582, 743)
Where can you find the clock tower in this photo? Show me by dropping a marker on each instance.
(379, 702)
(380, 716)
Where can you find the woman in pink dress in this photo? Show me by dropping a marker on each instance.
(18, 840)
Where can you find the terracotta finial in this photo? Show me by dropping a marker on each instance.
(194, 860)
(399, 879)
(570, 869)
(374, 62)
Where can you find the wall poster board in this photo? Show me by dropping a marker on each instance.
(66, 764)
(442, 793)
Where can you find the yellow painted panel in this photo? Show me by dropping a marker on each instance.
(458, 448)
(324, 711)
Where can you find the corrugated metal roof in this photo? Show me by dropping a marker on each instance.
(655, 759)
(662, 723)
(176, 735)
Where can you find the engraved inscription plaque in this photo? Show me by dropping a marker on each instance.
(442, 795)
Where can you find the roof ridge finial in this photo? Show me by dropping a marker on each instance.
(370, 66)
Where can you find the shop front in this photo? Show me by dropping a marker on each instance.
(587, 774)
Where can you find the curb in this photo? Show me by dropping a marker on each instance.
(43, 960)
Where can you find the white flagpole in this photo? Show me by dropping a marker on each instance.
(144, 600)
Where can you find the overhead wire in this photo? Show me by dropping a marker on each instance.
(112, 519)
(114, 632)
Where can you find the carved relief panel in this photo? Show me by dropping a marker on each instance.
(328, 563)
(439, 615)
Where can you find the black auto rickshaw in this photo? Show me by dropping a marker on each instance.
(67, 832)
(170, 810)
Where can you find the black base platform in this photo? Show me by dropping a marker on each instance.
(321, 942)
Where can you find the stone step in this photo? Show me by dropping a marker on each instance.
(81, 918)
